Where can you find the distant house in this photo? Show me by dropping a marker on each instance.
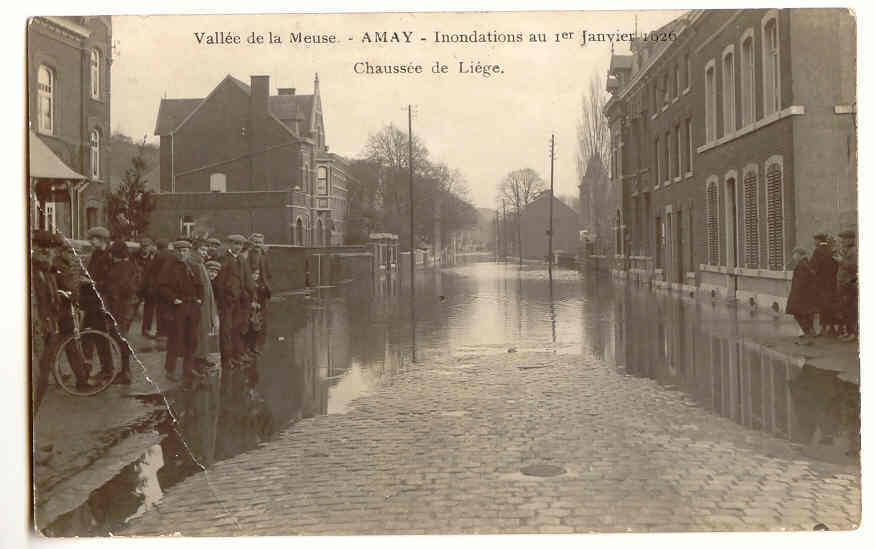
(242, 160)
(68, 104)
(536, 221)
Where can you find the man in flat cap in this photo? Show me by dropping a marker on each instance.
(235, 292)
(143, 261)
(262, 278)
(163, 256)
(214, 248)
(182, 290)
(94, 292)
(54, 286)
(121, 301)
(825, 269)
(848, 290)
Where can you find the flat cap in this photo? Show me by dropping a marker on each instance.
(821, 237)
(236, 238)
(181, 244)
(99, 232)
(213, 241)
(257, 237)
(213, 265)
(848, 234)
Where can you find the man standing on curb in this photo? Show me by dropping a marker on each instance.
(181, 290)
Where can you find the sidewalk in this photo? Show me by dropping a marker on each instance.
(83, 442)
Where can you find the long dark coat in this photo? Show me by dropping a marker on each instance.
(825, 269)
(803, 299)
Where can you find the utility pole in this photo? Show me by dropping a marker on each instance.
(550, 229)
(412, 249)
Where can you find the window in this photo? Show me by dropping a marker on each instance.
(690, 148)
(186, 225)
(751, 218)
(299, 232)
(50, 215)
(771, 65)
(679, 150)
(688, 79)
(322, 180)
(667, 158)
(95, 74)
(775, 213)
(728, 91)
(95, 154)
(218, 183)
(666, 91)
(710, 104)
(747, 81)
(46, 99)
(712, 212)
(656, 166)
(677, 81)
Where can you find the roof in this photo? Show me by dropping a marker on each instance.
(45, 164)
(172, 112)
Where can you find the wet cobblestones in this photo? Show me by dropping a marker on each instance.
(439, 451)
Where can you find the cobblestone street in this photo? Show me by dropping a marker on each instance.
(439, 449)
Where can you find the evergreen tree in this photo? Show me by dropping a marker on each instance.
(131, 204)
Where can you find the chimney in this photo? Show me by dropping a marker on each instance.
(286, 91)
(260, 89)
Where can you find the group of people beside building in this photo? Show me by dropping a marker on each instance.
(825, 287)
(191, 290)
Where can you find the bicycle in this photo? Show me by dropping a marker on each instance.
(97, 353)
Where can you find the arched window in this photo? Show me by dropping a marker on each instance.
(322, 180)
(710, 103)
(775, 211)
(299, 232)
(95, 73)
(95, 154)
(728, 90)
(751, 218)
(713, 219)
(748, 80)
(46, 99)
(771, 64)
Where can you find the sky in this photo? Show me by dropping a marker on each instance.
(483, 126)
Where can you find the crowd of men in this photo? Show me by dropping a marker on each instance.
(825, 287)
(191, 290)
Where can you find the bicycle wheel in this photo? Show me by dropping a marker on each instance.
(96, 356)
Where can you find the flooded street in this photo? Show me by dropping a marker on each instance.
(600, 380)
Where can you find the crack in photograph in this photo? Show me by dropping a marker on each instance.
(443, 273)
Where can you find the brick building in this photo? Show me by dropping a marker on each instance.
(68, 105)
(241, 160)
(733, 141)
(536, 221)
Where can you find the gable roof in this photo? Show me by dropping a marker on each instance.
(284, 108)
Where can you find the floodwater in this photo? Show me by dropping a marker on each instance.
(327, 348)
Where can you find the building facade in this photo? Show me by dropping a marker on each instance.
(68, 105)
(733, 141)
(242, 160)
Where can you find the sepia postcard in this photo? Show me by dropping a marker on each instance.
(443, 273)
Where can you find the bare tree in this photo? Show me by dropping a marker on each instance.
(593, 155)
(518, 189)
(593, 132)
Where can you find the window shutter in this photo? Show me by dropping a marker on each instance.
(713, 242)
(774, 198)
(751, 222)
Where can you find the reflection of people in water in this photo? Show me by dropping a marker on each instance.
(826, 409)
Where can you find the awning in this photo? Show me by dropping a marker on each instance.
(44, 164)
